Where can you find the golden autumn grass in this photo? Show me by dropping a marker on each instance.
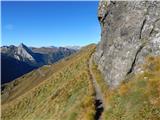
(63, 91)
(137, 99)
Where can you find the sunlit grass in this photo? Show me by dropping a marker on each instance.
(65, 94)
(138, 99)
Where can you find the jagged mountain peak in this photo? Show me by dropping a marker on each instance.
(25, 52)
(23, 46)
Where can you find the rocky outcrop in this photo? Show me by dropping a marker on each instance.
(130, 32)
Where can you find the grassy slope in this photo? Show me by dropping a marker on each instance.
(64, 92)
(28, 81)
(137, 99)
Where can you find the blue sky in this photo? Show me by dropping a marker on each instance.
(50, 23)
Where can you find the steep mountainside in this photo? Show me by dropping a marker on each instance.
(62, 91)
(21, 53)
(130, 32)
(17, 61)
(53, 54)
(13, 68)
(74, 89)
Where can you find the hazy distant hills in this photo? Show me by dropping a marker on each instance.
(74, 47)
(18, 60)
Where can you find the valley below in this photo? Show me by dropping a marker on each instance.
(19, 60)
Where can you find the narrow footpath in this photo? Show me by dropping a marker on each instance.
(99, 103)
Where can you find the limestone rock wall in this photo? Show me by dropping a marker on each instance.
(130, 31)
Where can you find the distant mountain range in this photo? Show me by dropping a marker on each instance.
(18, 60)
(74, 47)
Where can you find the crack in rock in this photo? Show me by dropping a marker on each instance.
(153, 27)
(140, 35)
(134, 61)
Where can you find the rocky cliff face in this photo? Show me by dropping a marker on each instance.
(130, 32)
